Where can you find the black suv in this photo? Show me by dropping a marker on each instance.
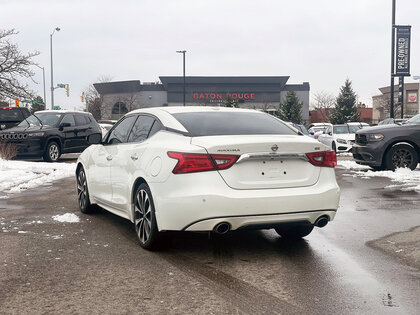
(48, 134)
(389, 146)
(11, 116)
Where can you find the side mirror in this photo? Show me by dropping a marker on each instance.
(330, 133)
(94, 138)
(311, 133)
(64, 125)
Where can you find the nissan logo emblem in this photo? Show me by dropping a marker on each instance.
(274, 147)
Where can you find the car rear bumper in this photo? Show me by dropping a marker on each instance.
(260, 221)
(183, 203)
(368, 155)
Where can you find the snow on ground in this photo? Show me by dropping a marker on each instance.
(67, 217)
(21, 175)
(404, 178)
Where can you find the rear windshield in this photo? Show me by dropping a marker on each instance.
(10, 114)
(232, 123)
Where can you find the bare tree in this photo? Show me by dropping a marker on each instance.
(129, 101)
(93, 99)
(384, 107)
(324, 102)
(14, 66)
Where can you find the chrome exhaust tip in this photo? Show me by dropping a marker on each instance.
(321, 221)
(222, 228)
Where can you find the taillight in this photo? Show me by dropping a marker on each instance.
(196, 162)
(324, 158)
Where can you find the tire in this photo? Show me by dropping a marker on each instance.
(83, 193)
(401, 155)
(52, 152)
(377, 168)
(295, 232)
(333, 147)
(144, 218)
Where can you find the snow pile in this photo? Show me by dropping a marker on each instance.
(21, 175)
(67, 217)
(407, 179)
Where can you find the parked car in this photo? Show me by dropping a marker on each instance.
(315, 129)
(12, 116)
(392, 121)
(299, 127)
(48, 134)
(340, 138)
(107, 121)
(105, 128)
(208, 169)
(389, 146)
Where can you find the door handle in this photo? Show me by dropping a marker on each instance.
(134, 157)
(109, 157)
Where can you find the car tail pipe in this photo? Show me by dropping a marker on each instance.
(221, 228)
(321, 221)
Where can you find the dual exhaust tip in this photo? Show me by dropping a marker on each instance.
(224, 227)
(221, 228)
(321, 221)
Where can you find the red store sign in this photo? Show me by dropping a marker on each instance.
(221, 96)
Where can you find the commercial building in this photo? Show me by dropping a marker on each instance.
(263, 93)
(381, 103)
(324, 114)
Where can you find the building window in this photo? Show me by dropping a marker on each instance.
(118, 110)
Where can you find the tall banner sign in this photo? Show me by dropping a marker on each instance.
(402, 62)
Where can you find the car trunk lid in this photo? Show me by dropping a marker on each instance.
(266, 161)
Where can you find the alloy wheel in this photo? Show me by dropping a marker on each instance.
(82, 189)
(53, 152)
(402, 158)
(143, 215)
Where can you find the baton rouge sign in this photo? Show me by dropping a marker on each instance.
(403, 50)
(222, 96)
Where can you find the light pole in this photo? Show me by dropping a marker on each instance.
(43, 79)
(392, 60)
(52, 72)
(183, 64)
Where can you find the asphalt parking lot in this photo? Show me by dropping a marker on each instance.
(364, 262)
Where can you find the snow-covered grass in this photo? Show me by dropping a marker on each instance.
(16, 176)
(67, 217)
(404, 178)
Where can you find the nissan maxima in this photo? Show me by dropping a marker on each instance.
(208, 169)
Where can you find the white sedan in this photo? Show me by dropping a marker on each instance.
(208, 169)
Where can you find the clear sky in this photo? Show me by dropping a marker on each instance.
(322, 42)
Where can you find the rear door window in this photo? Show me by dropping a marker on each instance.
(81, 120)
(141, 129)
(69, 119)
(232, 123)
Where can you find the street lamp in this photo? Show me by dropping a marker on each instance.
(52, 77)
(43, 79)
(183, 63)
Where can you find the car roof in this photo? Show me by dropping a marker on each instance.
(62, 111)
(194, 109)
